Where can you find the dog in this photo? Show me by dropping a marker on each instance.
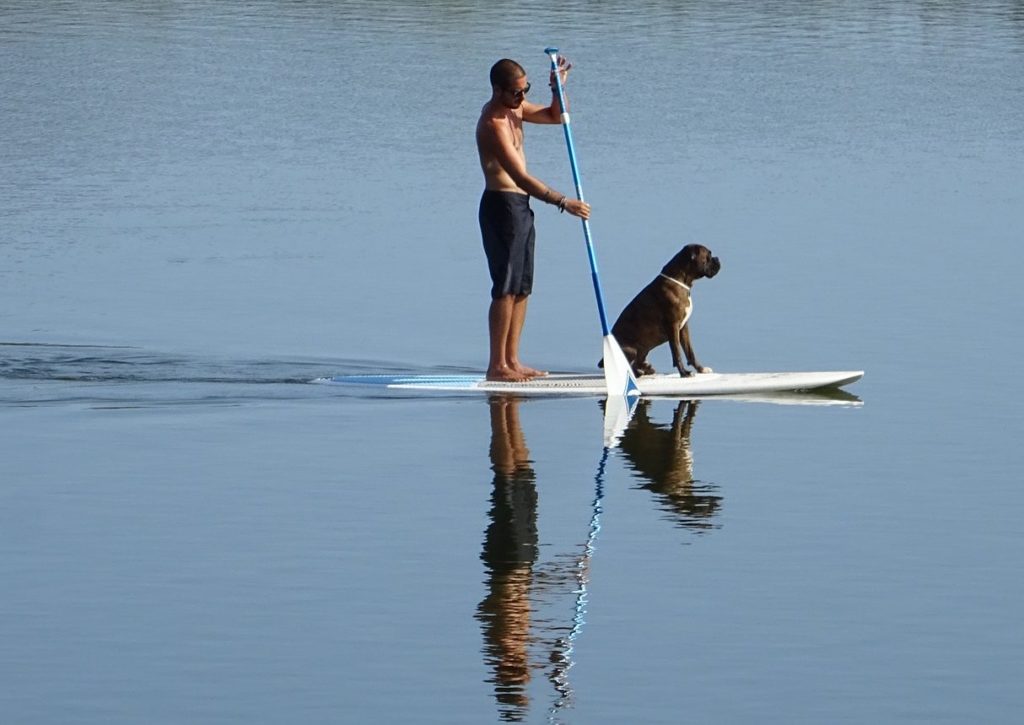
(661, 311)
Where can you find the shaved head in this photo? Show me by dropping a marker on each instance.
(504, 72)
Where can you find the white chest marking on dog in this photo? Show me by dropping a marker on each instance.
(689, 299)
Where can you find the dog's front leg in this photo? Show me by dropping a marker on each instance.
(677, 358)
(684, 335)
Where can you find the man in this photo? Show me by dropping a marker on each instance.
(506, 220)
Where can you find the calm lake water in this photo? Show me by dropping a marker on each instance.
(205, 206)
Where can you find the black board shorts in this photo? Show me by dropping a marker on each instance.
(506, 224)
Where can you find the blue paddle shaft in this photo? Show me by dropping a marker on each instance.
(553, 54)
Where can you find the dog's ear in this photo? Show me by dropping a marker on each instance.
(683, 258)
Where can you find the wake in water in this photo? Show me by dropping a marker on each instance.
(33, 374)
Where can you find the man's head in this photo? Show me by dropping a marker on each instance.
(508, 79)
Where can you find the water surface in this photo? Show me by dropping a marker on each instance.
(208, 206)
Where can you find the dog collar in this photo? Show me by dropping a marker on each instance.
(673, 279)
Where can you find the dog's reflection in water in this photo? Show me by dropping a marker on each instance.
(662, 457)
(509, 555)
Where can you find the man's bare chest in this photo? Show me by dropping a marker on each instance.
(515, 125)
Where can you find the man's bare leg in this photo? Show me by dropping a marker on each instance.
(500, 318)
(515, 332)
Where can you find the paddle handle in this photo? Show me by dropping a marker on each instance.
(552, 53)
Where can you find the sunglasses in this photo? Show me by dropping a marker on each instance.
(519, 92)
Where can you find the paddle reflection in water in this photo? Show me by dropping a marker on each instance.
(662, 457)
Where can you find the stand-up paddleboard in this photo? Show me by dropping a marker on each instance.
(664, 384)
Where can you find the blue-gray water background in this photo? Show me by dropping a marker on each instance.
(205, 205)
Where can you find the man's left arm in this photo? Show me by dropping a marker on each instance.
(552, 113)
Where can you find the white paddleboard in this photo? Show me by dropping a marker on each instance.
(666, 384)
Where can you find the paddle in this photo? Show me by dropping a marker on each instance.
(618, 375)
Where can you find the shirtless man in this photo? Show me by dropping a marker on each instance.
(506, 220)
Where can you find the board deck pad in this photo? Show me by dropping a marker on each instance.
(668, 384)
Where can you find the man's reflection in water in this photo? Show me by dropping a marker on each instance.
(509, 555)
(663, 457)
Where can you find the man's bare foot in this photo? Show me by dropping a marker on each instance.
(531, 372)
(506, 375)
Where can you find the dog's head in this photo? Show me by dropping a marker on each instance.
(692, 262)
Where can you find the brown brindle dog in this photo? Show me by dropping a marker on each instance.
(661, 311)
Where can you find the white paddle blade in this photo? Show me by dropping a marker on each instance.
(618, 409)
(618, 376)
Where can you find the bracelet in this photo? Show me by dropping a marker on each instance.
(561, 205)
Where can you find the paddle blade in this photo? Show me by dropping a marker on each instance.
(618, 409)
(618, 376)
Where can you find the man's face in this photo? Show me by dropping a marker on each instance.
(514, 95)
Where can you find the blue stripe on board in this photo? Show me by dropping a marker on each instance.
(386, 380)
